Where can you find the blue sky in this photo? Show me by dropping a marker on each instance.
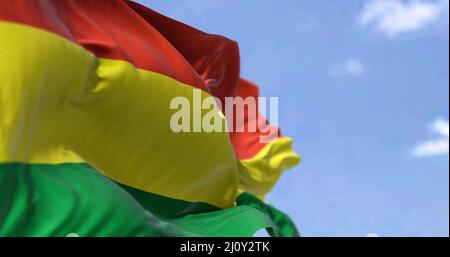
(363, 89)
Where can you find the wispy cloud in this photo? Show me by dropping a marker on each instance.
(435, 147)
(352, 67)
(393, 17)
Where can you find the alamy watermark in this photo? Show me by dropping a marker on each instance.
(208, 114)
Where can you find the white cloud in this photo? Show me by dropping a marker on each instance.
(351, 67)
(441, 127)
(434, 147)
(372, 235)
(393, 17)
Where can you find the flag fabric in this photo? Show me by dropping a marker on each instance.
(85, 142)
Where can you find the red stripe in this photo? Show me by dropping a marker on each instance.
(107, 28)
(215, 58)
(247, 144)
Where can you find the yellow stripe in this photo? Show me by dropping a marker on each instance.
(59, 103)
(260, 173)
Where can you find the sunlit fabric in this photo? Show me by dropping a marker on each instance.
(85, 142)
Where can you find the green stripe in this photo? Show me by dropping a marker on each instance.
(285, 226)
(167, 208)
(54, 200)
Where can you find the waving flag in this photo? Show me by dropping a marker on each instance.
(85, 142)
